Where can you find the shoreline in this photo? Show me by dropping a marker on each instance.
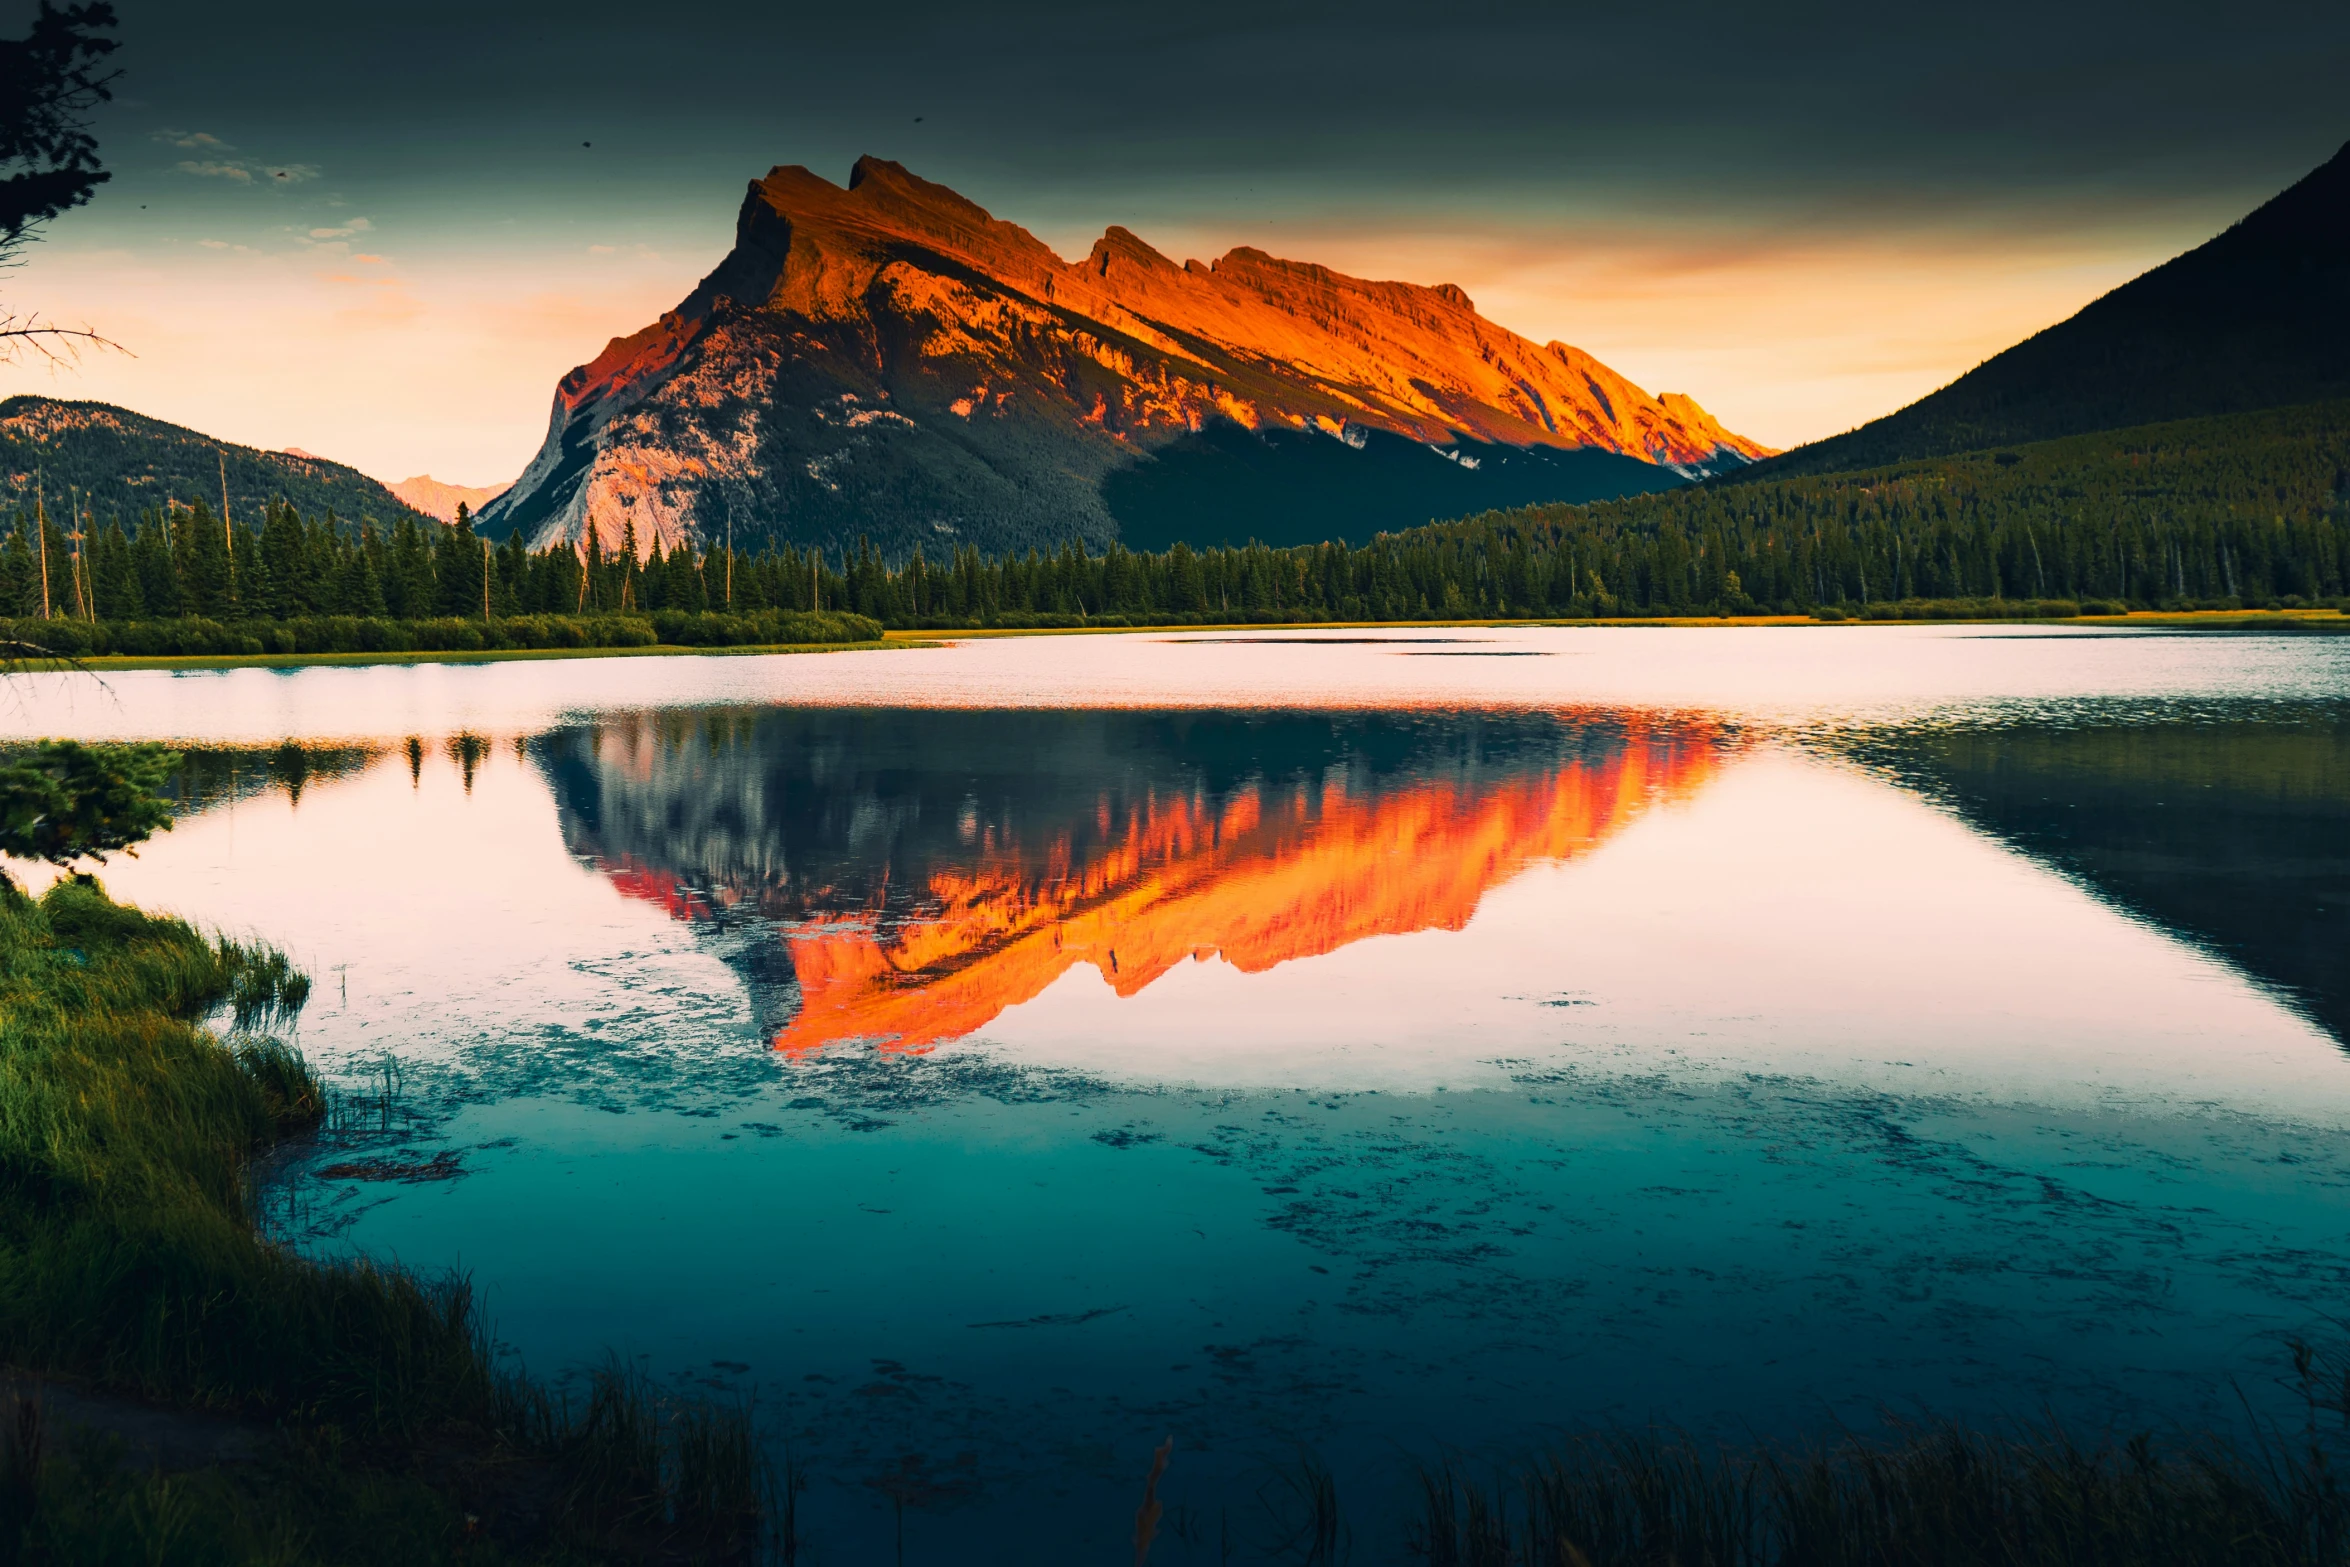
(2316, 620)
(2150, 619)
(197, 662)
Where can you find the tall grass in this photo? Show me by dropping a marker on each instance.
(127, 1252)
(1941, 1497)
(129, 1255)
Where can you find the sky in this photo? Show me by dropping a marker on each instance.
(382, 233)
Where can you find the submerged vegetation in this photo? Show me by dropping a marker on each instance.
(132, 1268)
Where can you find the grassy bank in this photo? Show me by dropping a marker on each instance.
(131, 1266)
(502, 656)
(1937, 613)
(303, 638)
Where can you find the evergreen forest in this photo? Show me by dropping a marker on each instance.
(2249, 509)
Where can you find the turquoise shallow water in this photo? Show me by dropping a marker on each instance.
(1380, 1054)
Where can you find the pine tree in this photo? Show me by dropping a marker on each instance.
(114, 580)
(202, 557)
(629, 592)
(457, 567)
(278, 593)
(158, 571)
(323, 549)
(510, 576)
(358, 591)
(246, 583)
(20, 588)
(407, 573)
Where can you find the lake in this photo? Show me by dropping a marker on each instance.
(1338, 1052)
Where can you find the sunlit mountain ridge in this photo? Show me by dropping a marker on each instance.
(886, 359)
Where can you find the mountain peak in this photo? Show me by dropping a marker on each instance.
(435, 498)
(1123, 244)
(895, 307)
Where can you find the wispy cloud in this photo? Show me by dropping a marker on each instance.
(193, 141)
(246, 171)
(355, 226)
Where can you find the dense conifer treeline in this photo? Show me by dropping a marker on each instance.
(2252, 509)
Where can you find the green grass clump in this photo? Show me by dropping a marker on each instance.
(130, 1260)
(126, 1250)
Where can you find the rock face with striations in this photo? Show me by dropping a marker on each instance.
(888, 360)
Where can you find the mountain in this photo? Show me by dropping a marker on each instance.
(2256, 318)
(890, 360)
(119, 464)
(435, 499)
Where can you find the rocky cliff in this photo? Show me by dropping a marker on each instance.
(890, 360)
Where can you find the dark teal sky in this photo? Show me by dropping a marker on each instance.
(1795, 216)
(1817, 109)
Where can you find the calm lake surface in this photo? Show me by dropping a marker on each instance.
(996, 1058)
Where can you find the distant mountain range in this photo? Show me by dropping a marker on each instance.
(435, 499)
(2256, 318)
(889, 360)
(117, 463)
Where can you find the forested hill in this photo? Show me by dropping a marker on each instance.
(2256, 318)
(2246, 508)
(118, 464)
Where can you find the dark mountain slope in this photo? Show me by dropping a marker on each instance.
(119, 464)
(2256, 318)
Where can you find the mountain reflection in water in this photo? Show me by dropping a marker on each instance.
(2232, 832)
(929, 870)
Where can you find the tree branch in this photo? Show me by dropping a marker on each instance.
(59, 345)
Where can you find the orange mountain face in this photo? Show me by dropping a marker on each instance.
(1264, 874)
(891, 346)
(1393, 356)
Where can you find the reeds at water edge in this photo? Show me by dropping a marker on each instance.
(1938, 1496)
(132, 1265)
